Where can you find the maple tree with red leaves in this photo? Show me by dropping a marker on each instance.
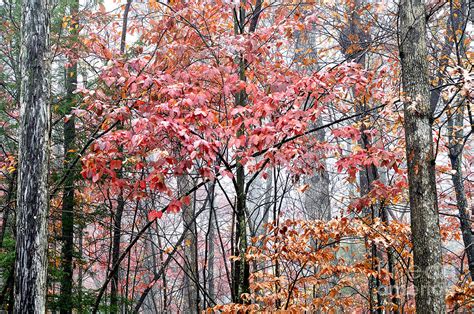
(239, 156)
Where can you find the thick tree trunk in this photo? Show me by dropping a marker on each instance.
(67, 217)
(428, 279)
(191, 279)
(33, 196)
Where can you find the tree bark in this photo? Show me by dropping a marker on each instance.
(428, 278)
(33, 196)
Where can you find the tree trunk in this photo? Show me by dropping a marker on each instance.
(6, 300)
(428, 278)
(191, 280)
(67, 217)
(33, 196)
(114, 304)
(117, 223)
(241, 267)
(317, 204)
(354, 41)
(80, 273)
(456, 138)
(455, 25)
(164, 278)
(317, 201)
(211, 236)
(8, 207)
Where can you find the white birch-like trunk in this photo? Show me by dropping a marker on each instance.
(33, 198)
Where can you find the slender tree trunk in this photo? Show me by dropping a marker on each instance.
(80, 273)
(428, 278)
(162, 265)
(33, 196)
(191, 280)
(354, 40)
(456, 22)
(394, 291)
(67, 217)
(367, 177)
(114, 282)
(211, 236)
(114, 289)
(455, 155)
(391, 260)
(276, 223)
(6, 300)
(80, 235)
(241, 267)
(241, 270)
(8, 203)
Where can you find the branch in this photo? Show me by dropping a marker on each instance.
(196, 187)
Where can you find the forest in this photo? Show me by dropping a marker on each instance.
(236, 156)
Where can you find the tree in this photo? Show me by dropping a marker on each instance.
(33, 196)
(456, 138)
(429, 279)
(121, 201)
(207, 146)
(68, 198)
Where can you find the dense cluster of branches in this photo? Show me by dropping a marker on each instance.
(189, 156)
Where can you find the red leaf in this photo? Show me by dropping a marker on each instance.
(154, 214)
(96, 177)
(115, 164)
(186, 200)
(175, 206)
